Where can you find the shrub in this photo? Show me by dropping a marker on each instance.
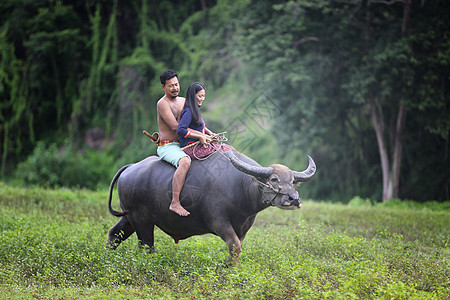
(358, 201)
(51, 167)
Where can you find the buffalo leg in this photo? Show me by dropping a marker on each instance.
(245, 228)
(119, 233)
(234, 245)
(146, 237)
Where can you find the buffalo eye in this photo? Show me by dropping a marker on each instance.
(274, 179)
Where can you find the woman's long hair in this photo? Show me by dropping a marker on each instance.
(191, 102)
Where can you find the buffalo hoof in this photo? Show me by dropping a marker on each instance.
(111, 245)
(149, 249)
(230, 264)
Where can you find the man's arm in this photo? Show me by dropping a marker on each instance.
(166, 114)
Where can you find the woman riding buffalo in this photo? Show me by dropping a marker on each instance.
(192, 129)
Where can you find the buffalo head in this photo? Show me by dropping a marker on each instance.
(278, 181)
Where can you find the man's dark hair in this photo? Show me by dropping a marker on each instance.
(166, 75)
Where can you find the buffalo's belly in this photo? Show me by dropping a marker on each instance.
(145, 190)
(180, 234)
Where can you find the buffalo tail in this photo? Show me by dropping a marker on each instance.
(111, 188)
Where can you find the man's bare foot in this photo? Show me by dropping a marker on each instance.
(176, 207)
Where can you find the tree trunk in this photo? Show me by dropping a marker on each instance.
(391, 177)
(398, 150)
(401, 118)
(379, 126)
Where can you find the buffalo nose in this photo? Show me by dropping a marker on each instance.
(293, 196)
(295, 201)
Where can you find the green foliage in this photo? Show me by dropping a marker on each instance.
(52, 246)
(358, 201)
(66, 67)
(323, 61)
(41, 47)
(51, 167)
(410, 204)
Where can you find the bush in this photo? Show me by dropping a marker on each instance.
(410, 204)
(51, 167)
(358, 201)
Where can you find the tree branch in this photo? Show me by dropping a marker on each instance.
(306, 39)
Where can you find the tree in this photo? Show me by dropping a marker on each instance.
(389, 88)
(333, 64)
(70, 66)
(41, 45)
(375, 97)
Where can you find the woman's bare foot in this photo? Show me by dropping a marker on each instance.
(176, 207)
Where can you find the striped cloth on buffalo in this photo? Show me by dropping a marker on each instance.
(200, 152)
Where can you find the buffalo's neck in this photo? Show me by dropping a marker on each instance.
(254, 196)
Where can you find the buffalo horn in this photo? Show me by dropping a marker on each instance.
(306, 175)
(257, 171)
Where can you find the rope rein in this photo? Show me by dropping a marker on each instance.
(218, 138)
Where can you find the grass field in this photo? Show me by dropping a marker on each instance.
(52, 247)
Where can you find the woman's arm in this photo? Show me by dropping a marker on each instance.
(183, 129)
(204, 139)
(185, 121)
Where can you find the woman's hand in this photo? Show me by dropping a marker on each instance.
(205, 140)
(209, 132)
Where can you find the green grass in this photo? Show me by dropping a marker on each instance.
(52, 247)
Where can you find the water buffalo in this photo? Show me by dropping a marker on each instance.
(223, 198)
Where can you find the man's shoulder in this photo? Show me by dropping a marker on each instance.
(161, 100)
(162, 104)
(167, 101)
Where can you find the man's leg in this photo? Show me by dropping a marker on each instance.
(177, 184)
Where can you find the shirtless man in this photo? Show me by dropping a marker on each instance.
(169, 108)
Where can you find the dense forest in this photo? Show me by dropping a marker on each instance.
(361, 86)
